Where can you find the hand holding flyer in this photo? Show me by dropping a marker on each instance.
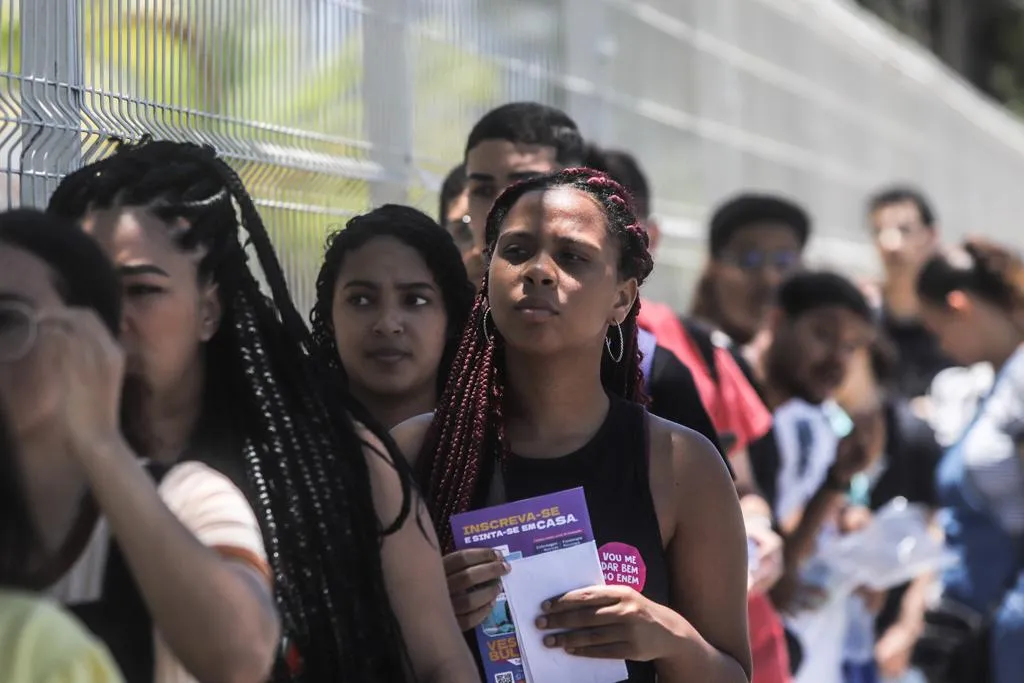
(553, 533)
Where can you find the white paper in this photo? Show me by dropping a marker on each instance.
(536, 579)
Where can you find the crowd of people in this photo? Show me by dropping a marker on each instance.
(196, 485)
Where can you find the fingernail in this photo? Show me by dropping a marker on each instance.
(550, 641)
(506, 566)
(498, 556)
(570, 650)
(546, 605)
(542, 622)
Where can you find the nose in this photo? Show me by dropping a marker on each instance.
(388, 323)
(771, 278)
(540, 272)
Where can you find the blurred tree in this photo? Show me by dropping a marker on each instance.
(983, 40)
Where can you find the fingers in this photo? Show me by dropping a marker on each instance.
(590, 618)
(476, 576)
(590, 639)
(473, 619)
(468, 602)
(463, 559)
(593, 597)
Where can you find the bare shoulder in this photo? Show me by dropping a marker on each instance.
(409, 435)
(687, 454)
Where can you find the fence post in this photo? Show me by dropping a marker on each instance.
(388, 98)
(50, 96)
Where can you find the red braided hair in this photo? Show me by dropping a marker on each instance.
(467, 436)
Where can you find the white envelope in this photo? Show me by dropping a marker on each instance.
(542, 577)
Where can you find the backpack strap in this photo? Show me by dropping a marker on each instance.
(647, 343)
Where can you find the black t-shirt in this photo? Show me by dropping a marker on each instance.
(921, 358)
(674, 395)
(911, 456)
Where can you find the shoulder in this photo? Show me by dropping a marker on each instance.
(48, 644)
(687, 457)
(409, 435)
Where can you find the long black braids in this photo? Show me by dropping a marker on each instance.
(300, 450)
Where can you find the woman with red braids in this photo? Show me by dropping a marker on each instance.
(545, 397)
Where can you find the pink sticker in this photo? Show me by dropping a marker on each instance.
(623, 565)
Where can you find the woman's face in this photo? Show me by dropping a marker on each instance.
(390, 324)
(554, 284)
(28, 387)
(168, 313)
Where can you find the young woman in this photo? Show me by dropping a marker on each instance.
(38, 641)
(541, 401)
(973, 300)
(228, 382)
(392, 299)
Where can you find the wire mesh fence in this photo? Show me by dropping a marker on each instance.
(330, 106)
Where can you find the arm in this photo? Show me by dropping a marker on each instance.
(709, 588)
(413, 571)
(215, 613)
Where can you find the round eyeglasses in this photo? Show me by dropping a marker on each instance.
(19, 329)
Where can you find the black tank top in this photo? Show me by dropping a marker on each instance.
(613, 471)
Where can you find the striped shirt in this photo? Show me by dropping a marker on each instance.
(209, 506)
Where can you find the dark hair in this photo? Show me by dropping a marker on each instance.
(744, 210)
(593, 157)
(898, 194)
(884, 357)
(432, 242)
(295, 432)
(467, 436)
(623, 168)
(808, 291)
(531, 123)
(982, 268)
(453, 186)
(18, 536)
(84, 276)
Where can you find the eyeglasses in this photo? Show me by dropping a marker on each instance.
(782, 261)
(19, 329)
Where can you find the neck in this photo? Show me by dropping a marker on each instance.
(900, 297)
(391, 411)
(554, 398)
(1002, 351)
(54, 485)
(774, 392)
(171, 418)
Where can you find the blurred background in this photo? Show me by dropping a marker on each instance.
(330, 106)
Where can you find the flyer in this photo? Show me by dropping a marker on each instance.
(521, 529)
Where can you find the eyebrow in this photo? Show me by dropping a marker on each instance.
(366, 284)
(142, 269)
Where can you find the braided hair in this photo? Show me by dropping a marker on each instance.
(418, 231)
(295, 435)
(467, 437)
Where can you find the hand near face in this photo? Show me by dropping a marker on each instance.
(90, 372)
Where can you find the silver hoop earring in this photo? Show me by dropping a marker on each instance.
(483, 325)
(622, 345)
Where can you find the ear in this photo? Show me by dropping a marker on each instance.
(210, 311)
(624, 300)
(653, 233)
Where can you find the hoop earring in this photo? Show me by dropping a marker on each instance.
(622, 345)
(483, 325)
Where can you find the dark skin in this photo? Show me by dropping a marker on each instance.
(555, 250)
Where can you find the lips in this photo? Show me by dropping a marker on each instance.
(537, 306)
(387, 355)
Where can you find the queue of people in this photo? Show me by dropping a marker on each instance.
(196, 486)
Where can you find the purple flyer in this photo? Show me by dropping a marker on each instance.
(520, 529)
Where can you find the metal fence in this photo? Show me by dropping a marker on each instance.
(330, 106)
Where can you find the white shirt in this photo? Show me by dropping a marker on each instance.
(209, 506)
